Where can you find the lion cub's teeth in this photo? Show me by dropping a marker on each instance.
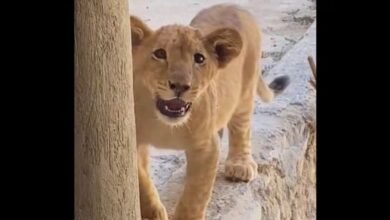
(166, 108)
(182, 109)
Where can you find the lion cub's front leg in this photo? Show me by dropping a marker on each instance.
(151, 206)
(202, 161)
(240, 165)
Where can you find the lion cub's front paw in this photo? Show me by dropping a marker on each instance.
(240, 168)
(154, 212)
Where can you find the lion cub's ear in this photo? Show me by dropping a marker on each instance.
(139, 30)
(225, 43)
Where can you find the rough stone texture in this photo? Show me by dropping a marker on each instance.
(283, 135)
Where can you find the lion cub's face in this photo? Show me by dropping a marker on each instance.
(176, 63)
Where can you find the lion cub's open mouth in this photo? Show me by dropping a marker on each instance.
(173, 108)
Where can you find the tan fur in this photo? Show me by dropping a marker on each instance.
(222, 94)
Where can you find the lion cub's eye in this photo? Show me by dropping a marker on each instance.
(199, 58)
(160, 54)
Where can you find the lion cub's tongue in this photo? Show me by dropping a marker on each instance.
(175, 104)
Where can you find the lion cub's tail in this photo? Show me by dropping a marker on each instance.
(277, 86)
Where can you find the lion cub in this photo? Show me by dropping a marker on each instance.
(189, 83)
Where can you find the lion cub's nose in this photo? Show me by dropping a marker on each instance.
(178, 88)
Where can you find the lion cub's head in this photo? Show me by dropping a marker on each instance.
(176, 63)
